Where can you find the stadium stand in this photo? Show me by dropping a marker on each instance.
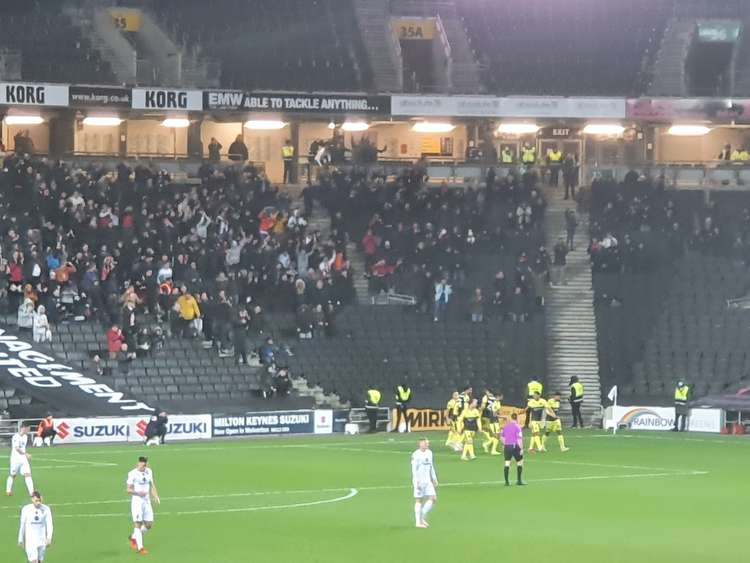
(51, 48)
(562, 43)
(665, 265)
(287, 45)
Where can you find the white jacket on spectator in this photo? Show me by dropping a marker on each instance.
(443, 289)
(42, 332)
(26, 314)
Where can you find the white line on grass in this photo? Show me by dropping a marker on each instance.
(352, 492)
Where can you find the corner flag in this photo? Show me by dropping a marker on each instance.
(612, 395)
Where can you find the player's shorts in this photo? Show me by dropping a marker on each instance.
(494, 428)
(469, 436)
(554, 425)
(20, 466)
(512, 452)
(536, 426)
(422, 490)
(141, 509)
(35, 552)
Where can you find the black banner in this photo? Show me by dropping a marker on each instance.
(96, 96)
(303, 103)
(31, 369)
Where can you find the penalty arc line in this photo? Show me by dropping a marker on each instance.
(358, 489)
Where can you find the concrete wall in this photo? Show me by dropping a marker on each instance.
(39, 135)
(97, 139)
(150, 137)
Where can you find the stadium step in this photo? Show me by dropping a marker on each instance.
(572, 347)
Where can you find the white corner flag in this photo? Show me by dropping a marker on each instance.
(612, 396)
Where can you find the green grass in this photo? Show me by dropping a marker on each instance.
(630, 498)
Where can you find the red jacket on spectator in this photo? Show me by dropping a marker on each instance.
(16, 272)
(114, 340)
(381, 269)
(370, 244)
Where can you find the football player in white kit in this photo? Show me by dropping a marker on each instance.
(424, 479)
(35, 533)
(19, 460)
(141, 488)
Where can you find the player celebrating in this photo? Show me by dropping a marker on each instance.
(491, 411)
(424, 479)
(513, 448)
(553, 422)
(141, 487)
(471, 421)
(454, 438)
(35, 532)
(536, 407)
(19, 460)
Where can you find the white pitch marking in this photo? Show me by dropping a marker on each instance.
(351, 494)
(690, 473)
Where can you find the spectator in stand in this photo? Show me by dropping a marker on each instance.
(476, 306)
(189, 311)
(214, 150)
(42, 331)
(443, 293)
(267, 352)
(559, 262)
(239, 335)
(26, 314)
(571, 224)
(238, 150)
(570, 175)
(115, 340)
(518, 306)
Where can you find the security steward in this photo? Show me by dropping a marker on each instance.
(46, 430)
(681, 397)
(287, 155)
(532, 387)
(371, 407)
(554, 162)
(576, 400)
(528, 154)
(506, 155)
(403, 397)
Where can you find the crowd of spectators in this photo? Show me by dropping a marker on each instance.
(638, 225)
(424, 241)
(151, 259)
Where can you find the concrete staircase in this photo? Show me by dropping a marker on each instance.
(669, 68)
(383, 50)
(317, 394)
(569, 316)
(464, 68)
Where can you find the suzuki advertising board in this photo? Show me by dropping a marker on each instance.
(179, 427)
(91, 430)
(265, 423)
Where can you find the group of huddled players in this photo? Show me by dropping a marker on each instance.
(468, 415)
(36, 527)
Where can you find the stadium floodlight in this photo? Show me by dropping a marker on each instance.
(102, 121)
(355, 126)
(331, 125)
(264, 124)
(23, 119)
(688, 130)
(176, 122)
(603, 129)
(432, 127)
(518, 128)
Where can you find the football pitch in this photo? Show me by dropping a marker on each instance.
(634, 497)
